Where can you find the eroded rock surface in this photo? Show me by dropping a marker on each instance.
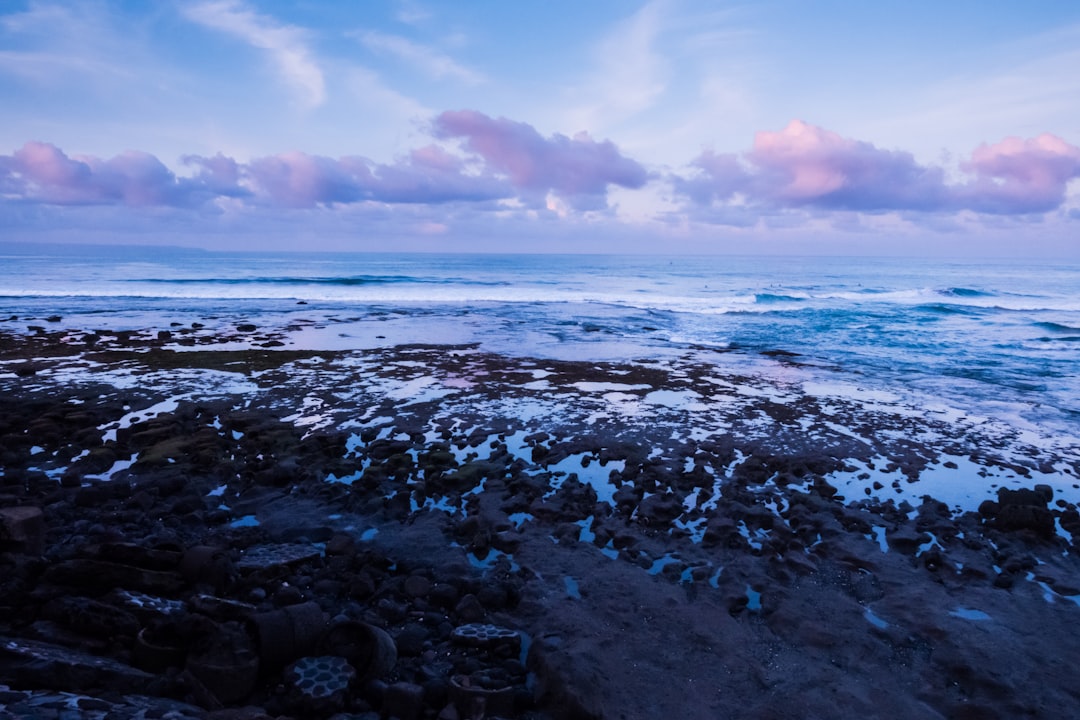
(210, 530)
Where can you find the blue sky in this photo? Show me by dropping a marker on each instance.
(672, 125)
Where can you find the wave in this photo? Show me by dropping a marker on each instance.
(963, 292)
(1059, 338)
(945, 309)
(766, 298)
(1056, 327)
(344, 281)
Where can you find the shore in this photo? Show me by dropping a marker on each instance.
(527, 538)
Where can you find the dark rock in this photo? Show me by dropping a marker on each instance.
(22, 530)
(469, 609)
(403, 700)
(91, 617)
(417, 586)
(1021, 509)
(28, 663)
(660, 509)
(410, 641)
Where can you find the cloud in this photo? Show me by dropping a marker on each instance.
(578, 169)
(286, 44)
(77, 44)
(804, 166)
(428, 60)
(630, 73)
(1021, 176)
(42, 173)
(427, 175)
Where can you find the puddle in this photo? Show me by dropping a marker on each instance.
(661, 562)
(674, 399)
(753, 599)
(874, 619)
(490, 559)
(595, 475)
(969, 614)
(603, 387)
(116, 467)
(246, 521)
(519, 518)
(135, 416)
(572, 590)
(878, 532)
(345, 479)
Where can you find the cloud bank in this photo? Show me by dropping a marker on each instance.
(499, 165)
(803, 166)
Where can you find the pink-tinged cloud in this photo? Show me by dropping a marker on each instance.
(296, 179)
(1017, 176)
(40, 172)
(578, 169)
(427, 175)
(804, 164)
(219, 174)
(810, 167)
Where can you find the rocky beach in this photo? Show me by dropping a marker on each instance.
(210, 520)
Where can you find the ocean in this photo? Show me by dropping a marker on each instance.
(997, 337)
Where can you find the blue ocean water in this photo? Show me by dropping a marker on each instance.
(1000, 335)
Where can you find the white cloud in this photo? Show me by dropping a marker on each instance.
(412, 13)
(630, 76)
(76, 42)
(428, 60)
(286, 44)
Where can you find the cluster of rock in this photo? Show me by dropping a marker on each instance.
(210, 557)
(293, 629)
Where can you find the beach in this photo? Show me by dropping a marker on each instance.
(694, 535)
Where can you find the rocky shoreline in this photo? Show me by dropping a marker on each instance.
(208, 524)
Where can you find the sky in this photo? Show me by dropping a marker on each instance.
(778, 126)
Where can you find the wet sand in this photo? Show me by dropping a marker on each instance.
(653, 538)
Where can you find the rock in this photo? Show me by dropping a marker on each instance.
(225, 661)
(486, 636)
(36, 664)
(659, 510)
(410, 641)
(91, 617)
(341, 544)
(403, 700)
(267, 556)
(288, 633)
(906, 539)
(104, 576)
(368, 648)
(469, 609)
(22, 530)
(319, 685)
(417, 586)
(1022, 509)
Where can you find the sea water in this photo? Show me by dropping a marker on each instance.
(998, 336)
